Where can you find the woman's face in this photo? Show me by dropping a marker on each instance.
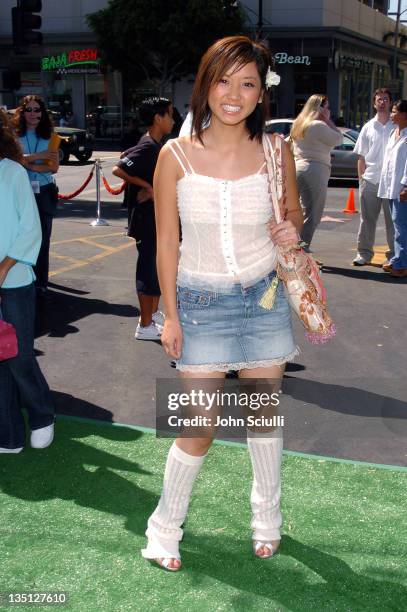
(397, 116)
(32, 114)
(236, 95)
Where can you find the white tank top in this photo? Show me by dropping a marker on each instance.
(225, 239)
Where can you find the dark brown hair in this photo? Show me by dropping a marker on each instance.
(381, 91)
(44, 129)
(232, 51)
(401, 106)
(9, 147)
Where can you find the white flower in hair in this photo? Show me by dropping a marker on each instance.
(272, 78)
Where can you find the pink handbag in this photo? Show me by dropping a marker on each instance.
(8, 341)
(295, 268)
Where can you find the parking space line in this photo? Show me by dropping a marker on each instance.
(104, 247)
(66, 241)
(379, 257)
(89, 260)
(58, 256)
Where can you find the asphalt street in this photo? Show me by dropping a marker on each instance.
(345, 399)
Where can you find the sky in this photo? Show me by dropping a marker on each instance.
(393, 7)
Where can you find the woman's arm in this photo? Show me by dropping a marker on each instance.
(286, 233)
(5, 266)
(51, 159)
(27, 243)
(167, 223)
(326, 133)
(134, 180)
(294, 211)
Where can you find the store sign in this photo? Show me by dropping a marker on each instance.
(75, 61)
(349, 61)
(284, 58)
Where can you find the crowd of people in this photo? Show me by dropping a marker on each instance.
(208, 190)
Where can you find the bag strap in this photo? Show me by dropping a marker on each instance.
(276, 176)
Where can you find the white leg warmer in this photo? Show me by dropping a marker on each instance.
(164, 525)
(266, 453)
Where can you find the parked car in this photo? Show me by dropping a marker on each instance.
(74, 141)
(344, 160)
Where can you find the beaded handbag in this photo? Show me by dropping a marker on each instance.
(295, 268)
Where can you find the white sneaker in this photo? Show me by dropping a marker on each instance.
(159, 318)
(150, 332)
(11, 450)
(41, 438)
(360, 260)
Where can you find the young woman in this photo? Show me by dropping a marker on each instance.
(22, 384)
(34, 129)
(393, 187)
(313, 135)
(215, 180)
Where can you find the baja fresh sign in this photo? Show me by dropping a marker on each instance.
(77, 60)
(284, 58)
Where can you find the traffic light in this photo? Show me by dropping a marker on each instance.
(26, 23)
(12, 80)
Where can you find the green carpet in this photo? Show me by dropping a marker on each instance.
(73, 519)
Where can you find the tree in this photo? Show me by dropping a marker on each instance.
(161, 40)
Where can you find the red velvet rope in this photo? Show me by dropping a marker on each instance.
(72, 195)
(110, 189)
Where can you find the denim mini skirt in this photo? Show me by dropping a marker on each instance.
(227, 329)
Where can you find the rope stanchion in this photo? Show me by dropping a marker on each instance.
(98, 220)
(111, 189)
(72, 195)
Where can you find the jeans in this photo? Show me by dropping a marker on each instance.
(22, 384)
(47, 207)
(399, 216)
(41, 268)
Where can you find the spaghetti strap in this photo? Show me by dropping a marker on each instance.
(186, 167)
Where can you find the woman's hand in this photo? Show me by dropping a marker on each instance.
(403, 195)
(325, 114)
(283, 234)
(171, 338)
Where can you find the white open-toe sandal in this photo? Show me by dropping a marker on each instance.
(258, 545)
(164, 562)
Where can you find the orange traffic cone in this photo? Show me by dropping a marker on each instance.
(350, 204)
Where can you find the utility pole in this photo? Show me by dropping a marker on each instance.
(396, 40)
(260, 21)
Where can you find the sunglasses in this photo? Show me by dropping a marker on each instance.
(30, 109)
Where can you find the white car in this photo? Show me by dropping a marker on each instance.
(344, 160)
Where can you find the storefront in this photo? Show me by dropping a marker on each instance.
(346, 68)
(78, 91)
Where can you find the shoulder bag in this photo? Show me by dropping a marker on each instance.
(295, 268)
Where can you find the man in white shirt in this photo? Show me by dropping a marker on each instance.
(370, 147)
(393, 187)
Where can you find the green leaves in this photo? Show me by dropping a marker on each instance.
(159, 40)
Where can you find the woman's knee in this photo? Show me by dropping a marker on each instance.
(195, 446)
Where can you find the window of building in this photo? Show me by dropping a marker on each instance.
(379, 5)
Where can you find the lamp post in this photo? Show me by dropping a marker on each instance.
(260, 21)
(396, 39)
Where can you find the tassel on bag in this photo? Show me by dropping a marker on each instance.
(295, 268)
